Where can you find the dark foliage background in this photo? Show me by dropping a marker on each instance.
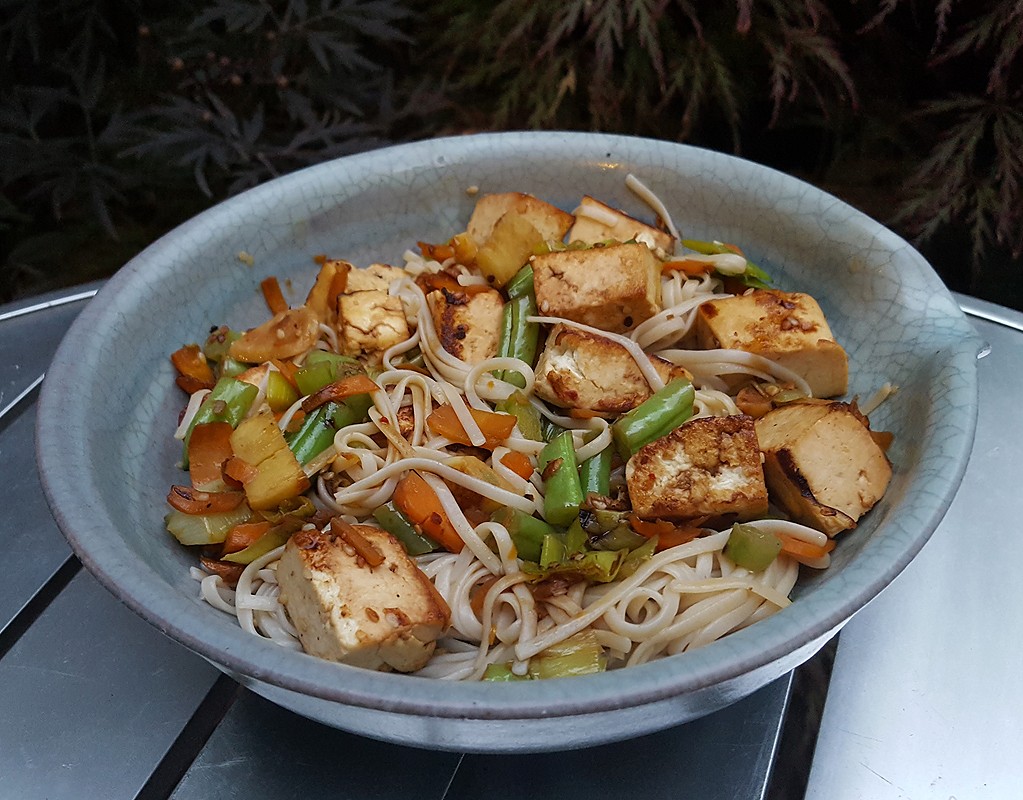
(119, 119)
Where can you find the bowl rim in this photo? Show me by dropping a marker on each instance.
(168, 609)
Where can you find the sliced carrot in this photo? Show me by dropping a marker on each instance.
(240, 471)
(494, 426)
(518, 463)
(191, 501)
(272, 294)
(668, 533)
(687, 266)
(438, 252)
(190, 362)
(208, 448)
(358, 383)
(414, 497)
(190, 385)
(584, 413)
(243, 534)
(797, 547)
(363, 546)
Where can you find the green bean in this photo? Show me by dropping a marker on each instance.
(563, 493)
(525, 413)
(229, 401)
(655, 417)
(318, 429)
(521, 283)
(400, 526)
(595, 473)
(526, 531)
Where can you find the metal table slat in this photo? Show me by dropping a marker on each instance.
(91, 698)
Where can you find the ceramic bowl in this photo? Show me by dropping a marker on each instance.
(109, 406)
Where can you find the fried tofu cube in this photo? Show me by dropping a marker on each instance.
(386, 617)
(369, 319)
(822, 465)
(596, 222)
(468, 323)
(706, 467)
(577, 369)
(786, 327)
(613, 288)
(550, 221)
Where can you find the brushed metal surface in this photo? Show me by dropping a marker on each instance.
(926, 697)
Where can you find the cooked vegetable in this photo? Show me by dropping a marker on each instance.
(279, 476)
(317, 431)
(525, 413)
(519, 338)
(229, 402)
(660, 414)
(496, 427)
(400, 526)
(414, 497)
(563, 493)
(192, 529)
(525, 530)
(595, 473)
(752, 548)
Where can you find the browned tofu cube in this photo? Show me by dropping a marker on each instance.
(550, 221)
(707, 467)
(468, 323)
(376, 277)
(613, 288)
(369, 319)
(596, 222)
(577, 369)
(821, 463)
(386, 617)
(786, 327)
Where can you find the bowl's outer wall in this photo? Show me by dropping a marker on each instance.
(108, 406)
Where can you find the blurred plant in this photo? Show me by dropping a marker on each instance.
(670, 68)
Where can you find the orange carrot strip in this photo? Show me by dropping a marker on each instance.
(518, 463)
(272, 294)
(438, 252)
(668, 533)
(363, 546)
(583, 413)
(338, 284)
(238, 470)
(414, 497)
(190, 501)
(797, 547)
(243, 534)
(208, 448)
(190, 362)
(339, 390)
(495, 427)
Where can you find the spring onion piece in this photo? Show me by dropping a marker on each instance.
(655, 417)
(322, 369)
(318, 428)
(525, 413)
(502, 673)
(401, 527)
(280, 395)
(609, 530)
(577, 655)
(552, 551)
(595, 473)
(753, 277)
(752, 548)
(636, 558)
(563, 493)
(526, 531)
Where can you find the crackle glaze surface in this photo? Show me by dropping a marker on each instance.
(109, 407)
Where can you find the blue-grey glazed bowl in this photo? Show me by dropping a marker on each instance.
(109, 407)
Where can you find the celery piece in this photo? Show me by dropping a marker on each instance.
(192, 529)
(563, 493)
(752, 548)
(655, 417)
(502, 673)
(525, 413)
(400, 526)
(577, 655)
(526, 531)
(318, 429)
(232, 367)
(219, 342)
(271, 540)
(228, 402)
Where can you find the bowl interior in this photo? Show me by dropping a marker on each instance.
(109, 406)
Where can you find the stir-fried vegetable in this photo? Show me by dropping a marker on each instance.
(655, 417)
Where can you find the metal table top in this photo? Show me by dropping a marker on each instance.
(96, 703)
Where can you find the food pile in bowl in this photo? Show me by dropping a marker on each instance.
(558, 442)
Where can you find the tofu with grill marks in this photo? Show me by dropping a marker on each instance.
(613, 288)
(706, 467)
(386, 617)
(822, 465)
(468, 323)
(786, 327)
(577, 369)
